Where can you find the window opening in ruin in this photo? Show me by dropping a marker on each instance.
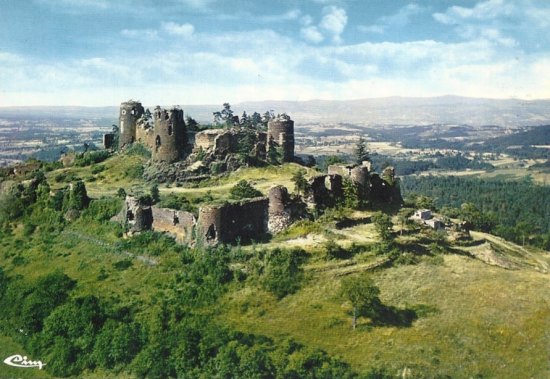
(124, 111)
(211, 233)
(170, 129)
(176, 220)
(133, 112)
(166, 117)
(130, 215)
(157, 143)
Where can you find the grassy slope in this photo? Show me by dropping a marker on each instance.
(474, 318)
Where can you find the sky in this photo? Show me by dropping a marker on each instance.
(103, 52)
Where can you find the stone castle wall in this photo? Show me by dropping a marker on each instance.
(245, 220)
(179, 224)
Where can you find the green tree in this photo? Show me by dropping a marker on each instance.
(225, 116)
(121, 193)
(301, 185)
(191, 123)
(78, 196)
(403, 217)
(361, 153)
(383, 225)
(273, 153)
(243, 190)
(155, 193)
(351, 194)
(362, 293)
(282, 271)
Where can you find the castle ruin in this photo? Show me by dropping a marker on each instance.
(163, 132)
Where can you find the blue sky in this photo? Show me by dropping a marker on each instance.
(101, 52)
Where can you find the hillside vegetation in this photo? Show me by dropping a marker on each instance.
(89, 302)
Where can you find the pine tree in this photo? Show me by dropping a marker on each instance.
(361, 153)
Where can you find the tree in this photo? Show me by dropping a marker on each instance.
(78, 197)
(155, 193)
(273, 153)
(116, 135)
(282, 271)
(351, 194)
(301, 185)
(403, 216)
(243, 190)
(361, 154)
(191, 123)
(362, 293)
(383, 225)
(121, 193)
(267, 116)
(225, 116)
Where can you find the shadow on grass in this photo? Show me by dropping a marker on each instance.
(390, 316)
(349, 223)
(387, 315)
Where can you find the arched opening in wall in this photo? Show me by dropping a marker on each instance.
(157, 143)
(130, 216)
(211, 233)
(166, 116)
(328, 183)
(170, 129)
(176, 220)
(133, 112)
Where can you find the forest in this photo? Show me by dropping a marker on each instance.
(515, 210)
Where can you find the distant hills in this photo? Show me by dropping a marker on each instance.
(367, 112)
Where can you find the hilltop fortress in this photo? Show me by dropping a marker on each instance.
(165, 134)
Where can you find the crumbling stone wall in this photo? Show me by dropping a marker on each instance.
(359, 175)
(245, 220)
(223, 142)
(283, 209)
(130, 112)
(139, 217)
(281, 132)
(205, 140)
(325, 191)
(108, 141)
(179, 224)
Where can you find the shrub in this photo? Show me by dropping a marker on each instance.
(282, 273)
(243, 190)
(103, 209)
(91, 157)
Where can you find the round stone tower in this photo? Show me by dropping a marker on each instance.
(170, 136)
(130, 111)
(281, 132)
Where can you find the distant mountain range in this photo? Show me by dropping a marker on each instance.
(367, 112)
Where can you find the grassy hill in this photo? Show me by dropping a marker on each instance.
(448, 312)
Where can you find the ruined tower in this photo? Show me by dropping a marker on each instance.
(169, 138)
(130, 112)
(281, 132)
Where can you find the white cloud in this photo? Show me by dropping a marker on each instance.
(483, 10)
(399, 19)
(146, 34)
(334, 21)
(184, 30)
(306, 20)
(311, 34)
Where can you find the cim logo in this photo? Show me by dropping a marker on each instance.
(23, 362)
